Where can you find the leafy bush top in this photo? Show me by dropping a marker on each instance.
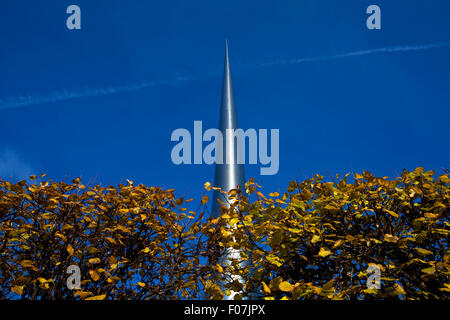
(315, 241)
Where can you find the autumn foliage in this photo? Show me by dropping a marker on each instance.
(314, 241)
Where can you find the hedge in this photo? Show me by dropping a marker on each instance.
(317, 240)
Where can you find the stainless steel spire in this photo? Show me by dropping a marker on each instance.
(229, 174)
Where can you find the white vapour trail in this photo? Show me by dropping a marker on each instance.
(65, 94)
(62, 95)
(357, 53)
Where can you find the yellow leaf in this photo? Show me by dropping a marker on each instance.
(275, 283)
(60, 235)
(423, 252)
(101, 297)
(123, 229)
(42, 280)
(274, 194)
(324, 252)
(444, 179)
(316, 290)
(94, 275)
(94, 260)
(83, 294)
(111, 240)
(285, 286)
(398, 290)
(338, 243)
(112, 259)
(358, 176)
(429, 270)
(419, 170)
(141, 284)
(266, 288)
(70, 250)
(45, 285)
(445, 288)
(259, 193)
(390, 238)
(232, 192)
(274, 260)
(146, 250)
(28, 264)
(17, 289)
(207, 186)
(392, 213)
(328, 290)
(205, 199)
(315, 238)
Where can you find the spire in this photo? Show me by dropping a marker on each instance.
(229, 174)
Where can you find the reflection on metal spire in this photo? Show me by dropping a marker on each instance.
(229, 174)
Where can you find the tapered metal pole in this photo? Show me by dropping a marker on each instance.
(229, 174)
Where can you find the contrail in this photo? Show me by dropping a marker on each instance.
(356, 53)
(65, 94)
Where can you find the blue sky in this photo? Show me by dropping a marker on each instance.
(146, 68)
